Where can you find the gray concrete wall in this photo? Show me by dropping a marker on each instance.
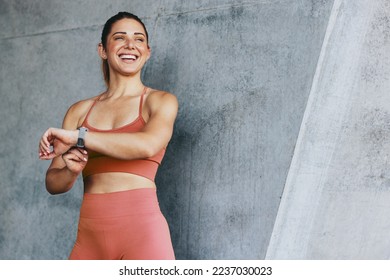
(242, 71)
(336, 203)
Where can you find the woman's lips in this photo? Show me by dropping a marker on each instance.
(130, 57)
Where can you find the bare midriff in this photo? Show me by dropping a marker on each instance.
(114, 182)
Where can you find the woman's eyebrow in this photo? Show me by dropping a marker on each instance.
(119, 32)
(123, 32)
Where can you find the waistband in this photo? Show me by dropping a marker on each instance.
(119, 204)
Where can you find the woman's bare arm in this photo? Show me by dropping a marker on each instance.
(146, 143)
(64, 170)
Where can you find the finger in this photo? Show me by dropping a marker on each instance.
(47, 157)
(42, 149)
(44, 146)
(79, 150)
(45, 140)
(82, 154)
(83, 151)
(75, 154)
(72, 158)
(48, 138)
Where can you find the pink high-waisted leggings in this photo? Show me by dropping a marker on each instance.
(122, 225)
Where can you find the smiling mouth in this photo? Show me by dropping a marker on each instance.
(128, 57)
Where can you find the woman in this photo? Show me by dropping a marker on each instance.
(117, 141)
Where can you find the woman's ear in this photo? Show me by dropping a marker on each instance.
(102, 51)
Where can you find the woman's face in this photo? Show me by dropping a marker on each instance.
(127, 48)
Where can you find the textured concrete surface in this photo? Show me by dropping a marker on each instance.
(242, 76)
(336, 203)
(242, 71)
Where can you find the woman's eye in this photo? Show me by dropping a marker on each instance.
(118, 38)
(140, 39)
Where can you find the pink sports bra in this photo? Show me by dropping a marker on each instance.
(99, 163)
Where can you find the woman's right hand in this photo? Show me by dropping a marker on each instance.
(61, 140)
(75, 159)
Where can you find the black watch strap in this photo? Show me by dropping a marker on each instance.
(80, 139)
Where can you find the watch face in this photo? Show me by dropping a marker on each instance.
(80, 143)
(80, 140)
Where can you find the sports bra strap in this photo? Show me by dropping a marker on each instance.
(141, 102)
(90, 109)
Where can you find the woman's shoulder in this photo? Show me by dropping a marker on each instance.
(78, 111)
(83, 105)
(157, 98)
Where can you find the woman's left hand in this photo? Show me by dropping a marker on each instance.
(56, 141)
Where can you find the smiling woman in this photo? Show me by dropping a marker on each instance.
(117, 140)
(131, 32)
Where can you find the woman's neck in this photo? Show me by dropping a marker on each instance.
(125, 85)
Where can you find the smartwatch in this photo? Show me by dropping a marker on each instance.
(80, 139)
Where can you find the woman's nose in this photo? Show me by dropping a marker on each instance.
(130, 44)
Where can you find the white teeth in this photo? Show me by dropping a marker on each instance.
(128, 56)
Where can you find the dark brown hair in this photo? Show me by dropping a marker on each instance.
(107, 29)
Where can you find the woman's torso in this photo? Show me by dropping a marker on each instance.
(103, 174)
